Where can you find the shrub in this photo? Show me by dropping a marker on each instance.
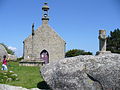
(19, 59)
(7, 76)
(76, 52)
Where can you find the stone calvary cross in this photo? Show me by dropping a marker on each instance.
(102, 43)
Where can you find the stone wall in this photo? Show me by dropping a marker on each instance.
(27, 47)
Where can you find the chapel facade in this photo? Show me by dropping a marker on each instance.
(44, 43)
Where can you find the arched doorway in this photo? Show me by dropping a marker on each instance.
(44, 56)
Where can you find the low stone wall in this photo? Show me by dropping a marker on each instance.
(31, 63)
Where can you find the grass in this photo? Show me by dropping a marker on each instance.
(29, 77)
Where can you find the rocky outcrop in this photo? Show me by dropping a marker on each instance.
(2, 52)
(87, 72)
(12, 57)
(8, 87)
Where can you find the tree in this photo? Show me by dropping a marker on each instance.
(76, 52)
(113, 41)
(9, 51)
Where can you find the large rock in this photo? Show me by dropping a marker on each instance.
(8, 87)
(12, 57)
(2, 52)
(88, 72)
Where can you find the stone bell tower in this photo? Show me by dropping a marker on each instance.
(45, 17)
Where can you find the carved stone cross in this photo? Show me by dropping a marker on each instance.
(102, 40)
(102, 43)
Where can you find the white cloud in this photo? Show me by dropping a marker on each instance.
(12, 48)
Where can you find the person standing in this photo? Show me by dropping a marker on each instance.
(4, 63)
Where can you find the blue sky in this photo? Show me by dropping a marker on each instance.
(76, 21)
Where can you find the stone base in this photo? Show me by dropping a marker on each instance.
(103, 52)
(31, 63)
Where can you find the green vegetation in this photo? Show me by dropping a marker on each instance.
(29, 77)
(7, 76)
(76, 52)
(9, 51)
(20, 58)
(113, 41)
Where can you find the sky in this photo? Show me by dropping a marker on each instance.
(77, 21)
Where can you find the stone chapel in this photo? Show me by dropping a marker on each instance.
(43, 44)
